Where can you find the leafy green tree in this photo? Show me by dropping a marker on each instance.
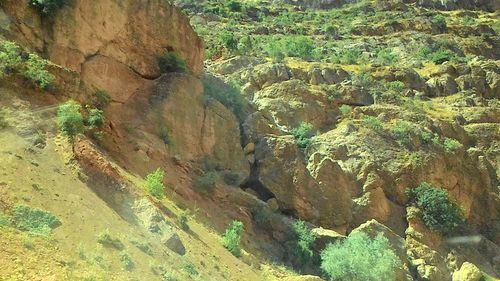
(96, 117)
(439, 211)
(232, 237)
(360, 258)
(10, 58)
(228, 40)
(275, 51)
(70, 119)
(154, 183)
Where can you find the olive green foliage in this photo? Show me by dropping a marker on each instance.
(70, 119)
(299, 46)
(206, 182)
(261, 216)
(165, 135)
(126, 260)
(231, 178)
(360, 257)
(229, 94)
(374, 124)
(396, 86)
(439, 211)
(10, 58)
(34, 220)
(154, 183)
(386, 56)
(95, 118)
(190, 269)
(172, 62)
(182, 220)
(101, 99)
(36, 72)
(303, 134)
(347, 56)
(48, 7)
(3, 120)
(145, 247)
(345, 109)
(275, 51)
(439, 21)
(232, 237)
(107, 240)
(450, 145)
(228, 40)
(301, 246)
(4, 220)
(402, 131)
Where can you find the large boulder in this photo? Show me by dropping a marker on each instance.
(467, 272)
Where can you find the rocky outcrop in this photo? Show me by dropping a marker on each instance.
(467, 272)
(132, 33)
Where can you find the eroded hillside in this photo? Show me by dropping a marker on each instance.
(309, 122)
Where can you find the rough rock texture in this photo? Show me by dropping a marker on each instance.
(304, 278)
(127, 32)
(467, 272)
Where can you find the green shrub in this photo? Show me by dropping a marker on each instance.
(96, 118)
(386, 57)
(101, 99)
(36, 72)
(234, 6)
(190, 269)
(172, 62)
(360, 257)
(261, 216)
(374, 124)
(450, 145)
(347, 56)
(299, 46)
(165, 135)
(228, 40)
(231, 178)
(34, 220)
(145, 247)
(206, 182)
(104, 238)
(302, 243)
(245, 45)
(154, 183)
(303, 134)
(232, 237)
(4, 220)
(439, 21)
(10, 58)
(345, 109)
(183, 219)
(402, 131)
(126, 260)
(48, 7)
(229, 94)
(275, 51)
(396, 86)
(439, 211)
(70, 119)
(331, 30)
(364, 80)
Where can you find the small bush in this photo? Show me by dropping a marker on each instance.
(231, 178)
(206, 182)
(402, 131)
(154, 183)
(34, 220)
(232, 237)
(104, 238)
(10, 58)
(450, 145)
(183, 219)
(172, 62)
(396, 86)
(275, 51)
(70, 119)
(228, 40)
(36, 72)
(374, 124)
(126, 260)
(145, 247)
(261, 216)
(439, 21)
(4, 220)
(165, 135)
(386, 57)
(190, 269)
(299, 46)
(345, 109)
(331, 31)
(101, 99)
(302, 244)
(48, 7)
(360, 258)
(439, 211)
(303, 134)
(96, 118)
